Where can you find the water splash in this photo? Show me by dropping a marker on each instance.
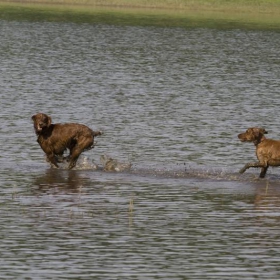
(110, 164)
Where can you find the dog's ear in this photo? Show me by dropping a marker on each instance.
(33, 117)
(257, 132)
(262, 131)
(49, 121)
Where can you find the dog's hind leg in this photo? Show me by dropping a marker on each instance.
(82, 143)
(263, 171)
(73, 157)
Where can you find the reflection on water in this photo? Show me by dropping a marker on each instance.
(172, 102)
(65, 180)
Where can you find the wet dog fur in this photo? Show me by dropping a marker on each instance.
(55, 139)
(267, 150)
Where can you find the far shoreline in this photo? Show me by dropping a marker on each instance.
(219, 14)
(237, 6)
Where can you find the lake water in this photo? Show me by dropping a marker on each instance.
(171, 101)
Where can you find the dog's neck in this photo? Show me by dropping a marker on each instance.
(46, 132)
(259, 140)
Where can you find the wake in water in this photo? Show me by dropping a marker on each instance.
(110, 164)
(107, 163)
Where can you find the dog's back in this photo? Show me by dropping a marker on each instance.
(70, 130)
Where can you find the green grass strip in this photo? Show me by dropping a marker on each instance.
(165, 13)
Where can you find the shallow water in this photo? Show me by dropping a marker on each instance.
(172, 102)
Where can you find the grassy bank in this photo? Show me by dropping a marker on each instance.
(252, 14)
(244, 6)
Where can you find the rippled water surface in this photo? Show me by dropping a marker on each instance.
(172, 102)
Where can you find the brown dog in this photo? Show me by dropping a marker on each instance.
(54, 139)
(267, 150)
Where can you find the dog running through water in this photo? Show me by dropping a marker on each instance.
(267, 150)
(54, 139)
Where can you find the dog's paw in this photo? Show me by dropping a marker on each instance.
(242, 170)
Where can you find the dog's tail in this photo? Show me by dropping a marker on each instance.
(96, 133)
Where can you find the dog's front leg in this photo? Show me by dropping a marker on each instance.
(253, 164)
(52, 159)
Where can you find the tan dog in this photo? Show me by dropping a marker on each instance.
(54, 139)
(267, 150)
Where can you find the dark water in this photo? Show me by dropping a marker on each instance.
(172, 102)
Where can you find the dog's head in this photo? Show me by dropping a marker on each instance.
(41, 122)
(253, 134)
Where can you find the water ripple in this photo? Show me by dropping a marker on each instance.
(172, 102)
